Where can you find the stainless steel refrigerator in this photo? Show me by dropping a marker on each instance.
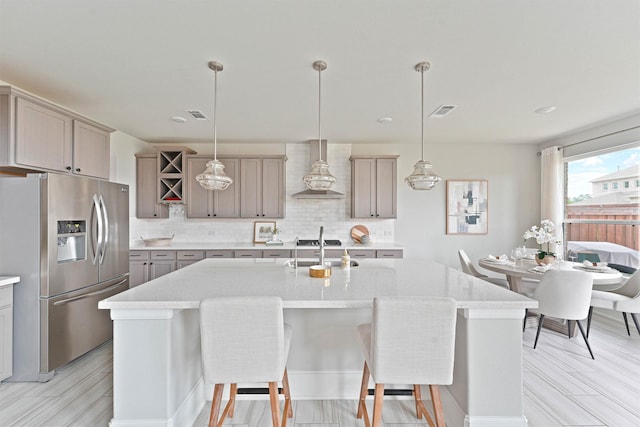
(67, 237)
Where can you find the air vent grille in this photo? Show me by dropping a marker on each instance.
(197, 114)
(442, 111)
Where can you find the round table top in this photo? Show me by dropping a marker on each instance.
(524, 269)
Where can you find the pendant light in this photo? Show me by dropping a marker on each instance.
(422, 177)
(213, 178)
(319, 179)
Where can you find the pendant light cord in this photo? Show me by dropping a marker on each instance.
(215, 102)
(422, 110)
(320, 115)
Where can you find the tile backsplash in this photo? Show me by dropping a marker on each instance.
(303, 216)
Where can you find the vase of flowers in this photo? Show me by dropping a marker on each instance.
(544, 235)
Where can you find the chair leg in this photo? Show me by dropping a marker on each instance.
(569, 328)
(626, 324)
(362, 407)
(535, 343)
(288, 411)
(377, 405)
(589, 320)
(524, 321)
(232, 399)
(586, 340)
(420, 408)
(437, 405)
(635, 321)
(275, 404)
(215, 405)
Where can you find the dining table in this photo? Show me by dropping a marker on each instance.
(517, 270)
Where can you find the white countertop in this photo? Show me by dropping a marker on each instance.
(139, 246)
(356, 287)
(8, 280)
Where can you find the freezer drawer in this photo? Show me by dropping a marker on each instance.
(72, 324)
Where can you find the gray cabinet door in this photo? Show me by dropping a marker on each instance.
(138, 272)
(363, 197)
(385, 184)
(160, 268)
(43, 137)
(199, 200)
(251, 188)
(226, 204)
(147, 205)
(273, 187)
(90, 150)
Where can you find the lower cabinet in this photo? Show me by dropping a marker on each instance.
(148, 265)
(6, 332)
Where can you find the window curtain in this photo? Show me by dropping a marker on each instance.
(552, 188)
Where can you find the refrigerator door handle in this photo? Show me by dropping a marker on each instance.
(91, 294)
(105, 240)
(98, 249)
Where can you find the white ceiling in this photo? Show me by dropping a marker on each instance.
(134, 64)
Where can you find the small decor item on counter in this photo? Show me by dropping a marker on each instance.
(358, 232)
(157, 241)
(346, 260)
(320, 271)
(274, 237)
(544, 235)
(262, 231)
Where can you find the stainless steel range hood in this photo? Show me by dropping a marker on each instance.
(314, 194)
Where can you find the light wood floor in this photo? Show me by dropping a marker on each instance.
(562, 387)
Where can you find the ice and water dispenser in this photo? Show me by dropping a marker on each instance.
(72, 240)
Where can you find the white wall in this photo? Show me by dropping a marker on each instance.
(512, 172)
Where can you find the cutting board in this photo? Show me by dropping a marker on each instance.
(357, 231)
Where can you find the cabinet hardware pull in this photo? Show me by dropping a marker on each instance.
(68, 168)
(77, 169)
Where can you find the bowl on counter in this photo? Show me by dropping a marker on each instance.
(157, 241)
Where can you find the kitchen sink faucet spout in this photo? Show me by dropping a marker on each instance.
(321, 243)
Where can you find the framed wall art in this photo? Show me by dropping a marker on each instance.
(467, 206)
(263, 231)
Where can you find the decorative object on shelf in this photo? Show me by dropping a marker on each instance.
(467, 206)
(263, 231)
(544, 235)
(157, 241)
(319, 179)
(274, 237)
(213, 178)
(422, 178)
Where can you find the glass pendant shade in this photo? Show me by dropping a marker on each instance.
(319, 179)
(422, 177)
(213, 178)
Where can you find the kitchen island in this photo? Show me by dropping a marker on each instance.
(157, 371)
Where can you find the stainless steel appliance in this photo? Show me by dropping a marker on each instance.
(67, 237)
(316, 242)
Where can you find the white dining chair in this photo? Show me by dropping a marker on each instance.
(625, 299)
(244, 340)
(564, 294)
(469, 268)
(410, 341)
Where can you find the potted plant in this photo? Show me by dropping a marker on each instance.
(544, 235)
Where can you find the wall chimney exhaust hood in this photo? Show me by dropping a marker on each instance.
(318, 194)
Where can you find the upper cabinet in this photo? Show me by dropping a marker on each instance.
(203, 203)
(171, 174)
(38, 136)
(373, 186)
(262, 187)
(147, 205)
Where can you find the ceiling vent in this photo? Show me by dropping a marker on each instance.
(197, 114)
(442, 111)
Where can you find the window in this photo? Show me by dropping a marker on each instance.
(601, 206)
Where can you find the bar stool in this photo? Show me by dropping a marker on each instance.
(244, 340)
(410, 341)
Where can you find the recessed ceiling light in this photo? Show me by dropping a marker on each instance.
(546, 110)
(179, 119)
(385, 120)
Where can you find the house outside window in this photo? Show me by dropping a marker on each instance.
(615, 186)
(626, 184)
(605, 186)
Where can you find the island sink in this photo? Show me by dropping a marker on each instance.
(308, 263)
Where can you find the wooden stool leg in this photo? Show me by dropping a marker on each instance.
(377, 405)
(215, 404)
(364, 390)
(232, 399)
(417, 394)
(275, 404)
(437, 405)
(288, 411)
